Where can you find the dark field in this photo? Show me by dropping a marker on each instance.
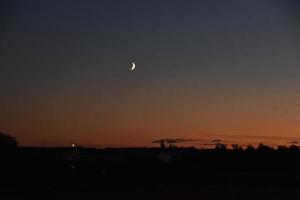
(149, 173)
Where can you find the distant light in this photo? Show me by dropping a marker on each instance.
(73, 145)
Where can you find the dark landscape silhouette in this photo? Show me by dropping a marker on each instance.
(149, 173)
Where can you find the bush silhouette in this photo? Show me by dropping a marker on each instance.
(7, 141)
(282, 148)
(220, 147)
(264, 148)
(294, 148)
(237, 147)
(250, 148)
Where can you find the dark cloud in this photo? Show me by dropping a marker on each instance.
(293, 142)
(201, 142)
(172, 141)
(220, 144)
(280, 109)
(216, 140)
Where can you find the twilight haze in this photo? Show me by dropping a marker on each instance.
(205, 69)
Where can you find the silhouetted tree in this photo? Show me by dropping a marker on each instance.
(7, 141)
(282, 148)
(250, 148)
(263, 147)
(236, 147)
(220, 146)
(294, 148)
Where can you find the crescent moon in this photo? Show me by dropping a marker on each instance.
(133, 66)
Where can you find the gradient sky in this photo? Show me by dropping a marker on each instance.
(209, 68)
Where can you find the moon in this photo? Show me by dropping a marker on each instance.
(133, 66)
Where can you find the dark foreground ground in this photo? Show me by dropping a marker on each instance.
(77, 173)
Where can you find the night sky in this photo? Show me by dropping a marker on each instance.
(204, 69)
